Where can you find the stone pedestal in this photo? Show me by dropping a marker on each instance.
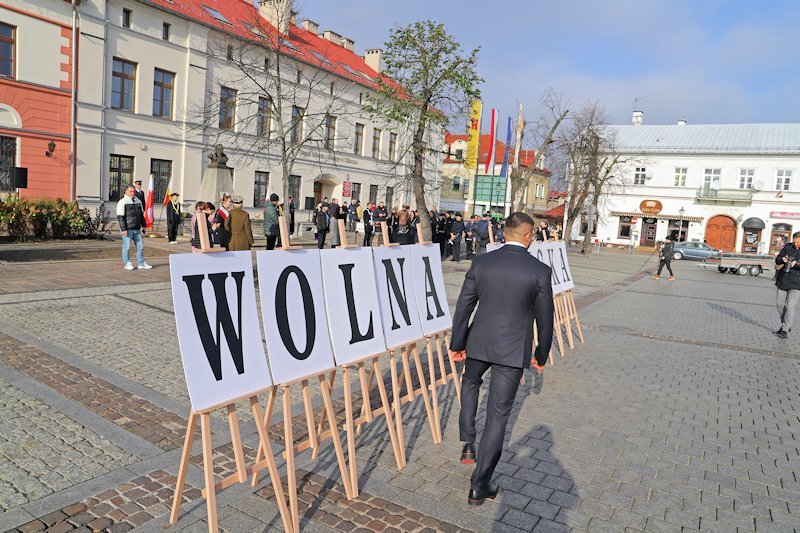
(216, 180)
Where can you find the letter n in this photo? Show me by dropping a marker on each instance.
(399, 293)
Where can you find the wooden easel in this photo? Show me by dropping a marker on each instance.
(572, 313)
(205, 242)
(242, 472)
(314, 437)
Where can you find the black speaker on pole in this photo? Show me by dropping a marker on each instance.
(20, 178)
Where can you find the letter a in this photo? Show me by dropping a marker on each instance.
(355, 334)
(556, 281)
(564, 269)
(399, 294)
(224, 321)
(430, 290)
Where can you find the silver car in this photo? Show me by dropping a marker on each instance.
(693, 250)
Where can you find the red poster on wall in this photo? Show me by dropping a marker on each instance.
(347, 188)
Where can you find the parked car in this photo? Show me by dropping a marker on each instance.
(693, 250)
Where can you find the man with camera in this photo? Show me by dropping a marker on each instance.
(787, 280)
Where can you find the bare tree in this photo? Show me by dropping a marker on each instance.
(594, 167)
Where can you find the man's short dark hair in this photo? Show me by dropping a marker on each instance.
(796, 234)
(517, 219)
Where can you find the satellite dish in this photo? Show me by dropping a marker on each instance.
(759, 185)
(715, 185)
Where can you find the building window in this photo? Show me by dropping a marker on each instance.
(355, 193)
(163, 86)
(392, 147)
(639, 176)
(333, 88)
(677, 229)
(227, 108)
(229, 52)
(376, 143)
(456, 183)
(710, 175)
(361, 98)
(389, 197)
(264, 119)
(8, 160)
(127, 14)
(459, 155)
(161, 169)
(373, 194)
(165, 31)
(624, 228)
(783, 180)
(746, 178)
(266, 64)
(299, 76)
(359, 145)
(680, 176)
(120, 175)
(297, 124)
(8, 36)
(330, 131)
(123, 84)
(260, 185)
(585, 225)
(294, 188)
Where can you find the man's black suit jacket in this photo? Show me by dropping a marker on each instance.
(513, 289)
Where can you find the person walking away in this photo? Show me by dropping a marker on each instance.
(481, 230)
(665, 259)
(368, 224)
(511, 289)
(323, 225)
(173, 218)
(456, 234)
(271, 227)
(130, 215)
(237, 225)
(787, 280)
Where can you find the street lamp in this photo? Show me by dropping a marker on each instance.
(680, 227)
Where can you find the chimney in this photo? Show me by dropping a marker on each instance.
(373, 59)
(310, 25)
(276, 12)
(682, 121)
(348, 43)
(638, 118)
(332, 36)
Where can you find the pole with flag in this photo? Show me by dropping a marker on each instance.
(491, 155)
(148, 203)
(504, 167)
(474, 146)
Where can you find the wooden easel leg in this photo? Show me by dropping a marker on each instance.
(366, 408)
(557, 328)
(184, 464)
(437, 437)
(398, 418)
(336, 437)
(262, 423)
(271, 397)
(433, 387)
(407, 372)
(388, 414)
(236, 443)
(208, 468)
(571, 300)
(321, 418)
(565, 314)
(291, 474)
(349, 430)
(312, 434)
(453, 372)
(364, 405)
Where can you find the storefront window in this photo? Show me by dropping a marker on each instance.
(677, 230)
(624, 228)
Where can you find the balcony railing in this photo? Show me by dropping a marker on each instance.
(707, 194)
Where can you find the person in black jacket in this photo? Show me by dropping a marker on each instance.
(137, 185)
(513, 289)
(173, 218)
(323, 225)
(665, 257)
(456, 234)
(787, 265)
(367, 217)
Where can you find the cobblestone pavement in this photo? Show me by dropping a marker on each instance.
(680, 412)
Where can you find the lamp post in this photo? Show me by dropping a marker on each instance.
(680, 227)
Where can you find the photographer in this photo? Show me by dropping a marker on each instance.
(787, 280)
(665, 257)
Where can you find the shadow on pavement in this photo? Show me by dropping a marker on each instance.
(733, 313)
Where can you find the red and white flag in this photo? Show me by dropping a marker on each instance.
(223, 212)
(148, 203)
(492, 136)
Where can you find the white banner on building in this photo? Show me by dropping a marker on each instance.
(552, 254)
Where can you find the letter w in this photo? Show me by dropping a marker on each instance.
(194, 284)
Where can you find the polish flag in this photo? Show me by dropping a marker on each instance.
(148, 203)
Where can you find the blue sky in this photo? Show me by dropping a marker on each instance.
(711, 61)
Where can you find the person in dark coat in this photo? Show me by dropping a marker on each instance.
(271, 222)
(511, 289)
(291, 216)
(787, 266)
(367, 217)
(456, 234)
(323, 225)
(137, 186)
(173, 218)
(665, 259)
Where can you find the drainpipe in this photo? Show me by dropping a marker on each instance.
(73, 101)
(103, 102)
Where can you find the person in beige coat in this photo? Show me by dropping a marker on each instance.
(238, 227)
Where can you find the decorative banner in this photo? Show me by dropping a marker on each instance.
(474, 136)
(492, 144)
(351, 300)
(552, 254)
(218, 331)
(426, 271)
(347, 189)
(293, 313)
(399, 317)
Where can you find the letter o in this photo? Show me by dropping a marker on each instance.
(282, 315)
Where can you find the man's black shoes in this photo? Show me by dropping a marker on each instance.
(782, 334)
(477, 496)
(468, 454)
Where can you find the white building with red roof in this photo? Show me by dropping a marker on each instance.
(155, 96)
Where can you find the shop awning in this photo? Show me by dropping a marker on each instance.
(754, 223)
(556, 212)
(663, 216)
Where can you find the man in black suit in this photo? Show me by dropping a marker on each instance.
(137, 186)
(513, 289)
